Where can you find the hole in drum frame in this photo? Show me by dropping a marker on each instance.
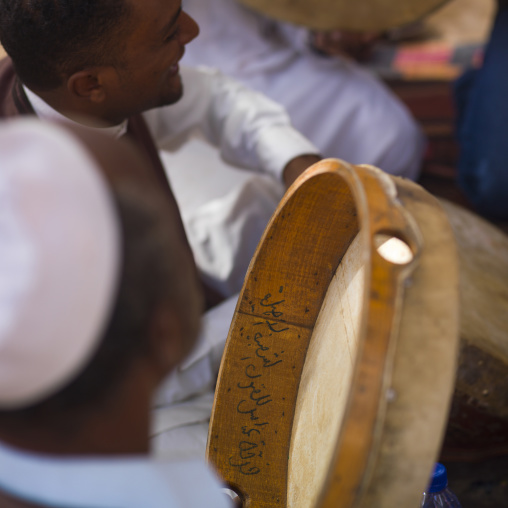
(393, 249)
(236, 498)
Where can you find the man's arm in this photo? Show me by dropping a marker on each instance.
(250, 130)
(297, 166)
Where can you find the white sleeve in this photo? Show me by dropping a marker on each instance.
(250, 130)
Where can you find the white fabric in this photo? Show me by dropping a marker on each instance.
(224, 210)
(46, 112)
(98, 482)
(183, 404)
(345, 111)
(180, 430)
(251, 132)
(204, 358)
(59, 259)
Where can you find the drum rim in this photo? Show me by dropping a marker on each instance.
(366, 186)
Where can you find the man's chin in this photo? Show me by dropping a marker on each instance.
(178, 96)
(173, 95)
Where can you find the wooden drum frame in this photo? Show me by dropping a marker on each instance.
(339, 366)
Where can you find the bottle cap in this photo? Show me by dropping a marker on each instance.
(439, 479)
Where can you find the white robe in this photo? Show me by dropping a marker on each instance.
(343, 109)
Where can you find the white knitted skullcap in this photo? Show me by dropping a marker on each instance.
(59, 259)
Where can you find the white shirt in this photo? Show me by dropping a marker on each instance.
(97, 482)
(250, 130)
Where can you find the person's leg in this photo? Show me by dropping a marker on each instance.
(482, 102)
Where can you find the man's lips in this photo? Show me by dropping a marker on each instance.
(173, 70)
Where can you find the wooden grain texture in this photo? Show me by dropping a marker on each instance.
(258, 382)
(402, 370)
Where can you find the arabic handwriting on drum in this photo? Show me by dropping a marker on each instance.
(254, 394)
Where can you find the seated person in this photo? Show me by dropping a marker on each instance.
(116, 63)
(99, 301)
(341, 107)
(483, 124)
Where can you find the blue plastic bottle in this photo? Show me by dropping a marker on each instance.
(438, 495)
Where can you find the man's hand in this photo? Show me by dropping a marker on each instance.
(295, 167)
(355, 45)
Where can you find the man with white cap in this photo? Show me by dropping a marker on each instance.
(114, 65)
(99, 301)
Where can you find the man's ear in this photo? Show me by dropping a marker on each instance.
(88, 84)
(167, 341)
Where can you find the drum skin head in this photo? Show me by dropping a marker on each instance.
(339, 366)
(361, 16)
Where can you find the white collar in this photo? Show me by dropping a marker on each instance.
(45, 112)
(129, 482)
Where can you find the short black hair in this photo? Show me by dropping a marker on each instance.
(49, 40)
(151, 273)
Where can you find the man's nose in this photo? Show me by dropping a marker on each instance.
(190, 29)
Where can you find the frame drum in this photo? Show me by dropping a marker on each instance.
(339, 366)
